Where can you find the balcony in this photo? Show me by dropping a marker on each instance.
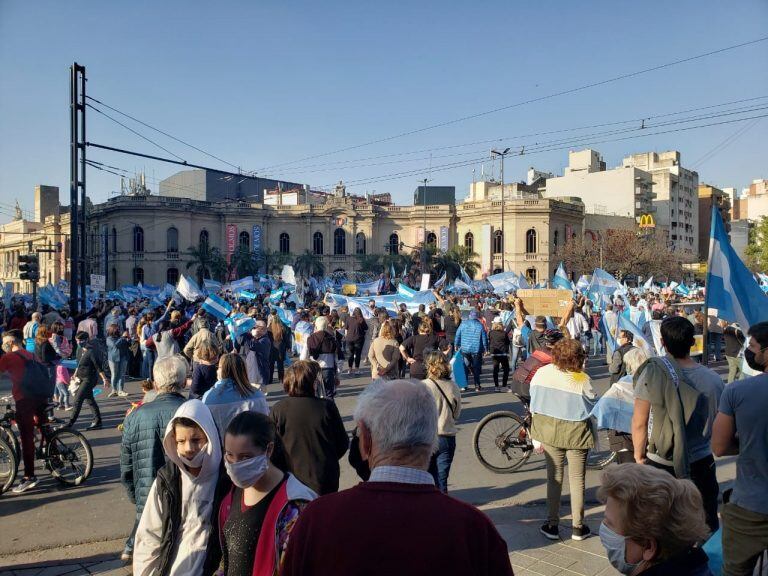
(171, 255)
(531, 257)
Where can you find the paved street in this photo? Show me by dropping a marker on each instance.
(79, 531)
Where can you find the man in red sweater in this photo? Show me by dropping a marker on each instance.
(397, 522)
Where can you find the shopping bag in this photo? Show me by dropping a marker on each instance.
(458, 372)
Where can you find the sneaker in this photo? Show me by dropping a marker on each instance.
(68, 408)
(126, 556)
(581, 532)
(550, 531)
(112, 393)
(26, 484)
(122, 394)
(496, 389)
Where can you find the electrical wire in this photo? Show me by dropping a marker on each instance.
(544, 133)
(140, 135)
(725, 143)
(524, 102)
(164, 133)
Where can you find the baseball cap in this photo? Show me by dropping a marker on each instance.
(473, 314)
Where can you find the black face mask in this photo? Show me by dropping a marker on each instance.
(749, 356)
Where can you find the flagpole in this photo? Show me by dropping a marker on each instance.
(705, 332)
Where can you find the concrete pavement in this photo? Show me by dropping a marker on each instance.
(52, 530)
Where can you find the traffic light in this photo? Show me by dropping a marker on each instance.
(29, 267)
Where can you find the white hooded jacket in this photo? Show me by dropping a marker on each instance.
(197, 497)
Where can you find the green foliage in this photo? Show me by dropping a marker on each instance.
(208, 263)
(309, 264)
(757, 247)
(272, 262)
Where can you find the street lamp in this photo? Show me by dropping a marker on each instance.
(502, 154)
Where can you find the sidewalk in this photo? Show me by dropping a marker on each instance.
(531, 554)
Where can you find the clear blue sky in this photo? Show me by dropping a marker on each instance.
(261, 83)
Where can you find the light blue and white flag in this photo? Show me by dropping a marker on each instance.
(131, 293)
(583, 283)
(405, 292)
(239, 325)
(465, 277)
(639, 339)
(188, 289)
(211, 285)
(288, 275)
(732, 292)
(461, 285)
(391, 272)
(241, 284)
(522, 282)
(682, 290)
(246, 295)
(648, 284)
(604, 283)
(149, 290)
(368, 289)
(561, 279)
(440, 281)
(276, 295)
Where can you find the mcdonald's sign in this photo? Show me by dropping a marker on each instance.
(646, 221)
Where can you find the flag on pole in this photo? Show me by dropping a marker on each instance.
(391, 271)
(188, 289)
(242, 284)
(639, 339)
(732, 292)
(522, 282)
(465, 277)
(561, 279)
(604, 283)
(648, 284)
(440, 281)
(216, 306)
(288, 275)
(211, 285)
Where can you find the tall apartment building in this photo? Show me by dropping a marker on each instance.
(624, 191)
(753, 202)
(711, 196)
(676, 202)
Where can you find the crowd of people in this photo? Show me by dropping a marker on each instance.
(224, 482)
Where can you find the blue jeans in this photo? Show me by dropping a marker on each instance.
(62, 391)
(597, 342)
(716, 341)
(517, 352)
(475, 361)
(117, 370)
(440, 464)
(147, 362)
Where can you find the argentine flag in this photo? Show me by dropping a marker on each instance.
(188, 289)
(648, 284)
(732, 292)
(561, 279)
(242, 284)
(217, 306)
(604, 283)
(638, 337)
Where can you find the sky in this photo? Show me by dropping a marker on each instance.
(267, 85)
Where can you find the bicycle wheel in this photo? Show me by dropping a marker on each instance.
(9, 466)
(502, 442)
(12, 440)
(69, 457)
(597, 459)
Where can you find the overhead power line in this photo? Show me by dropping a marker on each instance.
(163, 132)
(524, 102)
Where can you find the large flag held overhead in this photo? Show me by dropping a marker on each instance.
(604, 283)
(648, 284)
(732, 292)
(188, 289)
(288, 275)
(217, 306)
(561, 279)
(242, 284)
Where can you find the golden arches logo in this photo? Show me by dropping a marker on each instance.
(646, 221)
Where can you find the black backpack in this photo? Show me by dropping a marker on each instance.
(36, 381)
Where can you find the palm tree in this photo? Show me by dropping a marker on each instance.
(244, 261)
(371, 263)
(273, 261)
(308, 265)
(208, 262)
(445, 262)
(465, 258)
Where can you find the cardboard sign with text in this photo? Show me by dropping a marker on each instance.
(546, 302)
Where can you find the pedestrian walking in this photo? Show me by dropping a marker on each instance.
(117, 355)
(91, 363)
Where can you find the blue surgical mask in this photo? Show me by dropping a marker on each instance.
(616, 547)
(246, 473)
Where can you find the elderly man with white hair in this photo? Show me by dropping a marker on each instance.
(397, 522)
(141, 453)
(322, 348)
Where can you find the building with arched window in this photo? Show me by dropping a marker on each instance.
(285, 243)
(172, 242)
(204, 240)
(394, 244)
(317, 243)
(360, 243)
(498, 242)
(244, 240)
(339, 241)
(138, 239)
(469, 241)
(531, 241)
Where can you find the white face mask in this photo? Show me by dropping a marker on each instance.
(196, 461)
(616, 547)
(246, 473)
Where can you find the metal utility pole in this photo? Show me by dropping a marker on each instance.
(424, 241)
(77, 223)
(502, 154)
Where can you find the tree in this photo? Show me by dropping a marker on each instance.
(273, 261)
(757, 248)
(245, 262)
(371, 263)
(308, 265)
(623, 252)
(207, 262)
(466, 258)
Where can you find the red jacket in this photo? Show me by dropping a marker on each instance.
(12, 365)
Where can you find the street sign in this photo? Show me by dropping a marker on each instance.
(99, 282)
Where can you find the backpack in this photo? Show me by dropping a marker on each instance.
(523, 374)
(36, 381)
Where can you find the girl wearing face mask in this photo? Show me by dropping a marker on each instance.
(653, 522)
(178, 530)
(257, 516)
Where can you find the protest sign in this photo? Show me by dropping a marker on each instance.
(546, 302)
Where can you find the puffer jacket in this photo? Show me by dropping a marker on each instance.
(141, 453)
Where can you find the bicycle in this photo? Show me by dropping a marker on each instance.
(66, 453)
(502, 442)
